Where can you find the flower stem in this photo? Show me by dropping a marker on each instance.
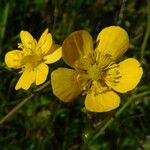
(143, 46)
(16, 108)
(129, 101)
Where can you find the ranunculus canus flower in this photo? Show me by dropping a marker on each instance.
(32, 58)
(95, 72)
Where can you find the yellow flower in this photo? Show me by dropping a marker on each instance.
(95, 73)
(33, 58)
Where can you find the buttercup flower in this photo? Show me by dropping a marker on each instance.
(33, 58)
(95, 73)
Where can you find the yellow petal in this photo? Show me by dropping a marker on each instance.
(64, 84)
(45, 42)
(75, 46)
(54, 56)
(103, 102)
(113, 40)
(26, 79)
(27, 39)
(54, 47)
(41, 73)
(13, 59)
(131, 73)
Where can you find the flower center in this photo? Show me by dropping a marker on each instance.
(113, 74)
(97, 68)
(95, 72)
(32, 55)
(31, 61)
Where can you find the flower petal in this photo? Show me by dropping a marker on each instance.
(27, 39)
(26, 79)
(75, 46)
(103, 102)
(41, 73)
(13, 59)
(131, 73)
(45, 42)
(113, 40)
(54, 56)
(54, 47)
(64, 84)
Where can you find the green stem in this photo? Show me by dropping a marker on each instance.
(16, 108)
(129, 101)
(143, 46)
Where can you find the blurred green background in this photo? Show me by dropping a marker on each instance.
(45, 123)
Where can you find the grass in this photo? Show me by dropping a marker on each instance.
(39, 121)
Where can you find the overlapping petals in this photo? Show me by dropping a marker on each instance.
(64, 84)
(53, 56)
(26, 79)
(41, 73)
(94, 71)
(27, 40)
(100, 75)
(75, 46)
(14, 58)
(33, 58)
(45, 42)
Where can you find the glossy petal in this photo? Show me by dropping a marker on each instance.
(54, 47)
(26, 79)
(106, 101)
(113, 40)
(54, 56)
(131, 73)
(64, 84)
(13, 59)
(41, 73)
(27, 39)
(75, 46)
(45, 42)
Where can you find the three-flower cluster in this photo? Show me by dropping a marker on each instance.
(93, 70)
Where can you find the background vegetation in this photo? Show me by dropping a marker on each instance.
(45, 123)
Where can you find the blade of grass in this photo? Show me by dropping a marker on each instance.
(3, 21)
(129, 101)
(143, 46)
(16, 108)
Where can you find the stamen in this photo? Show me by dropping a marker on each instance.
(92, 58)
(95, 70)
(103, 59)
(83, 64)
(112, 74)
(20, 45)
(98, 87)
(87, 87)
